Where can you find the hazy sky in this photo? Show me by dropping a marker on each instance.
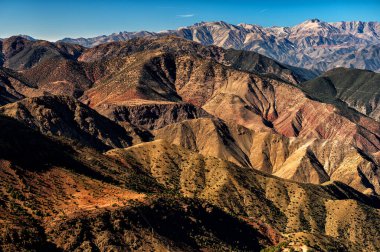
(56, 19)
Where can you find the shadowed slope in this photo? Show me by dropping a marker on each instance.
(20, 53)
(359, 89)
(64, 116)
(14, 86)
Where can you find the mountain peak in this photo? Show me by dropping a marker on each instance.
(211, 23)
(315, 20)
(21, 37)
(26, 37)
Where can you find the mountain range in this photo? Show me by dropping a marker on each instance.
(162, 143)
(313, 44)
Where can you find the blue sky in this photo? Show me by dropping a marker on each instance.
(56, 19)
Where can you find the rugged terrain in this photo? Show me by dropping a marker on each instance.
(92, 201)
(166, 144)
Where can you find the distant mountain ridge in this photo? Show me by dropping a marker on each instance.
(313, 44)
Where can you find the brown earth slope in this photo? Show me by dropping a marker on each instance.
(150, 69)
(242, 60)
(58, 195)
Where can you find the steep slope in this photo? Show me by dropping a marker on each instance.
(58, 192)
(60, 76)
(303, 160)
(359, 89)
(313, 44)
(55, 69)
(64, 116)
(52, 67)
(254, 101)
(14, 86)
(291, 209)
(365, 30)
(210, 137)
(178, 224)
(254, 62)
(315, 161)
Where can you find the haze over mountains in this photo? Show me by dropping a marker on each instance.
(160, 142)
(313, 44)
